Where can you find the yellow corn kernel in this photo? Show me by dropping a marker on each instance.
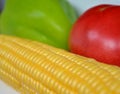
(35, 68)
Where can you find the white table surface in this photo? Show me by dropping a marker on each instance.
(81, 6)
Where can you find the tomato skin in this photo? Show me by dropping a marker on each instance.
(96, 34)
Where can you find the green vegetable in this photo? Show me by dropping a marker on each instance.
(48, 21)
(0, 26)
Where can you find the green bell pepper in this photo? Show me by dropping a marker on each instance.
(48, 21)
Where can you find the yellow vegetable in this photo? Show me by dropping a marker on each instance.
(36, 68)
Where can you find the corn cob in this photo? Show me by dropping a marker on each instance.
(35, 68)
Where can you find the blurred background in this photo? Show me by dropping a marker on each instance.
(1, 4)
(80, 6)
(83, 5)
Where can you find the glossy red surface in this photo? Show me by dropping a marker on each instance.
(96, 34)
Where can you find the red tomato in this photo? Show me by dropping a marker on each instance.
(96, 34)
